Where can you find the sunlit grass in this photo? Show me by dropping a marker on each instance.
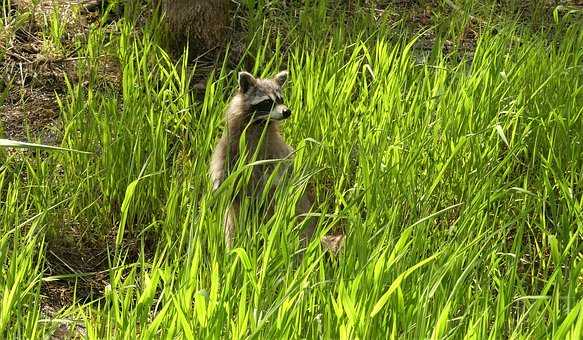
(459, 185)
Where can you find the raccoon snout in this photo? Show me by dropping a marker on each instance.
(286, 113)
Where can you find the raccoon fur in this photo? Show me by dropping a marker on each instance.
(253, 117)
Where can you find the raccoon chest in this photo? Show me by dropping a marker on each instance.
(269, 160)
(271, 175)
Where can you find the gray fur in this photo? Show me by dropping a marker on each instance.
(242, 122)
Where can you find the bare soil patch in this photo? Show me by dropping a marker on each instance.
(34, 69)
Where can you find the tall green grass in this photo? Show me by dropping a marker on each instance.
(459, 185)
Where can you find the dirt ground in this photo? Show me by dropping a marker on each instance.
(33, 73)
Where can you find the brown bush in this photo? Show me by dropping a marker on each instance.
(204, 24)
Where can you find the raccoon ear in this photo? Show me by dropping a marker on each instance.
(281, 78)
(246, 81)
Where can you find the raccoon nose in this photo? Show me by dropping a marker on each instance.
(286, 113)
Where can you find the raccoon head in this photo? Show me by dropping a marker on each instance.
(264, 96)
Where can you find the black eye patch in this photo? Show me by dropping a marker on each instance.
(263, 106)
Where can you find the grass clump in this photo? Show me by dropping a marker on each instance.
(458, 181)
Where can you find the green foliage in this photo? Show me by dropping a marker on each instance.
(459, 184)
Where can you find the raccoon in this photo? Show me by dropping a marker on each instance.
(253, 117)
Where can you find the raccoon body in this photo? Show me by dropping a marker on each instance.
(253, 118)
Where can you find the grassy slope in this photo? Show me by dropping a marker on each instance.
(460, 184)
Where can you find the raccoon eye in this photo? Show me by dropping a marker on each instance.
(278, 98)
(264, 106)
